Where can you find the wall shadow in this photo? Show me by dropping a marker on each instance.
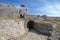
(39, 28)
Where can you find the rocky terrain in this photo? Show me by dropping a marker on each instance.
(10, 29)
(34, 35)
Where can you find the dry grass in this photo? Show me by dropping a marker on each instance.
(16, 19)
(58, 26)
(53, 21)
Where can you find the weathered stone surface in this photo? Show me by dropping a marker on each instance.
(7, 11)
(11, 29)
(33, 35)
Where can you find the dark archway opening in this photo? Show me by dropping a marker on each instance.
(21, 16)
(30, 25)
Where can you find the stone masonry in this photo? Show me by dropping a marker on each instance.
(11, 29)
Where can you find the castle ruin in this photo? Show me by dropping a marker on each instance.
(10, 29)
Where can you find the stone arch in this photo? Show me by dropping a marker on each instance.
(30, 24)
(27, 24)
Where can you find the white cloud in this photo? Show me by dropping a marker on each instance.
(53, 10)
(17, 6)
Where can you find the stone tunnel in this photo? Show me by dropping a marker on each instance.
(33, 22)
(30, 21)
(30, 25)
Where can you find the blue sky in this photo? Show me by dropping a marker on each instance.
(37, 7)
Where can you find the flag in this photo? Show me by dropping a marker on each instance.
(22, 5)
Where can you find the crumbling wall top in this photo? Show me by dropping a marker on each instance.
(8, 11)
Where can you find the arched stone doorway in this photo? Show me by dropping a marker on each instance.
(30, 24)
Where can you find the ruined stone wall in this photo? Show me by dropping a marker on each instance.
(44, 28)
(9, 29)
(7, 11)
(33, 17)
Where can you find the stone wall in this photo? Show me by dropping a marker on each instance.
(44, 28)
(9, 29)
(8, 11)
(33, 17)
